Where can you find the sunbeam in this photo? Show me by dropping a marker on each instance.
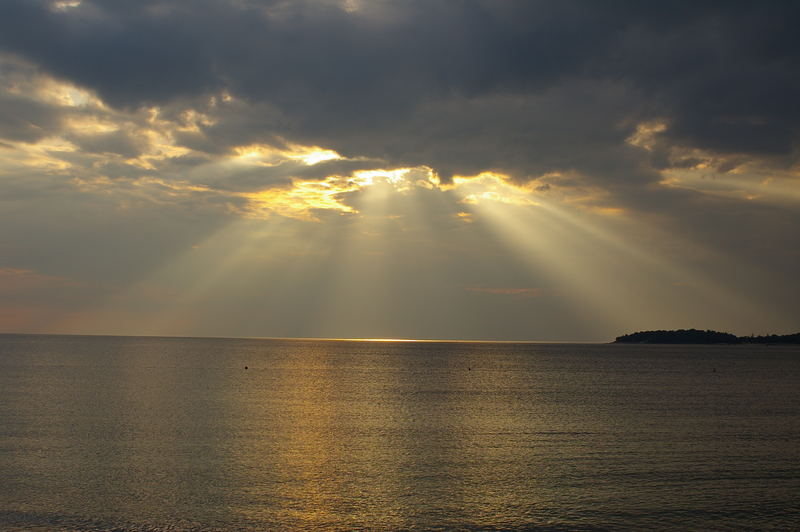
(609, 267)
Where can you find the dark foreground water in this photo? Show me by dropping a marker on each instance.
(103, 433)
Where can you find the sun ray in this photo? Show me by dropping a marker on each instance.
(667, 271)
(600, 263)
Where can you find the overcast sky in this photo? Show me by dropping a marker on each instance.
(455, 169)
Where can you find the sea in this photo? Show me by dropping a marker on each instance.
(154, 434)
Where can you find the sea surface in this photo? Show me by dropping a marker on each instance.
(119, 433)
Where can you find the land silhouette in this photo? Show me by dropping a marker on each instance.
(695, 336)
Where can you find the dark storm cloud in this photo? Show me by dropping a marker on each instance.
(115, 48)
(436, 82)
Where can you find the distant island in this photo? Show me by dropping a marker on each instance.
(694, 336)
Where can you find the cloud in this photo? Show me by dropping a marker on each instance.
(520, 88)
(532, 77)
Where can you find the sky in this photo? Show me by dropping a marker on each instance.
(427, 169)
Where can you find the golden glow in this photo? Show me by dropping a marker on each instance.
(301, 199)
(583, 256)
(266, 155)
(553, 253)
(490, 186)
(370, 177)
(157, 141)
(607, 211)
(732, 177)
(304, 197)
(54, 92)
(44, 155)
(744, 183)
(466, 217)
(90, 125)
(375, 340)
(193, 121)
(574, 239)
(170, 186)
(351, 6)
(84, 116)
(645, 135)
(728, 176)
(70, 95)
(310, 155)
(65, 5)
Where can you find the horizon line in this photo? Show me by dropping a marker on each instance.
(300, 338)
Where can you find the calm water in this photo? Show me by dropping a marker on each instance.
(104, 433)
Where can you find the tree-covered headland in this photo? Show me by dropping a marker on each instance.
(695, 336)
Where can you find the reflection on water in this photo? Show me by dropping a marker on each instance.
(149, 433)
